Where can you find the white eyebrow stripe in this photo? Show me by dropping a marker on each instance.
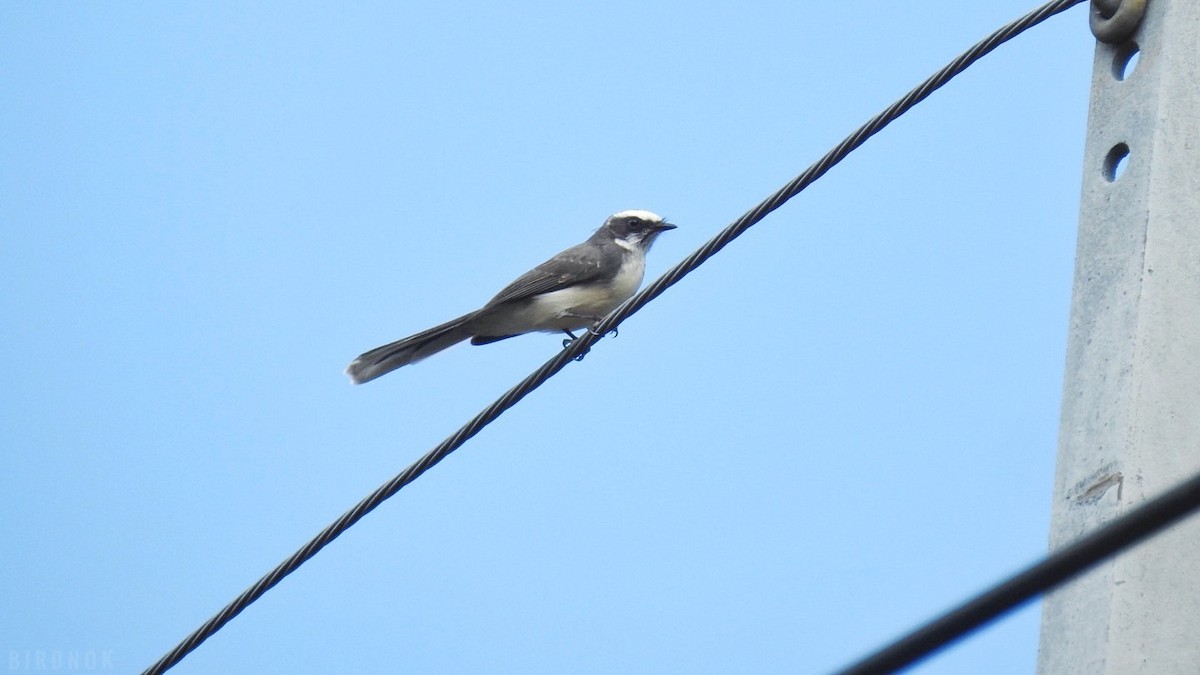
(639, 213)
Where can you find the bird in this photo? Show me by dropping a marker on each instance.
(573, 290)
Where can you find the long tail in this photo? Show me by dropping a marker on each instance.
(385, 359)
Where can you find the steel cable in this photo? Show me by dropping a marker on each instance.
(580, 346)
(1059, 566)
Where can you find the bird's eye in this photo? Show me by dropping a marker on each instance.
(635, 223)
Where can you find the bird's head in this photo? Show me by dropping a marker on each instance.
(634, 229)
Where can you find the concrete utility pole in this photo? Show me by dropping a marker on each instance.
(1131, 401)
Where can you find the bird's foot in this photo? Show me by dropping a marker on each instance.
(613, 331)
(569, 342)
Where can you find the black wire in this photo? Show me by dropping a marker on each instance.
(1056, 568)
(580, 346)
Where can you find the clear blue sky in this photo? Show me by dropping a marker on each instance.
(838, 427)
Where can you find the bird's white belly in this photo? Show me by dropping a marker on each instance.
(562, 309)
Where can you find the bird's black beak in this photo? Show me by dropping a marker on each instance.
(664, 226)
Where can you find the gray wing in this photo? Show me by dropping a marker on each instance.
(576, 265)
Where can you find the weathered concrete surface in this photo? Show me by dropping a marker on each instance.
(1131, 403)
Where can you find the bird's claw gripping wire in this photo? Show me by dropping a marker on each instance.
(591, 330)
(613, 330)
(569, 342)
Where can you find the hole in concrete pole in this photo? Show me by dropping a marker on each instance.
(1125, 60)
(1115, 161)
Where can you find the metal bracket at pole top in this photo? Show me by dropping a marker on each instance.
(1114, 21)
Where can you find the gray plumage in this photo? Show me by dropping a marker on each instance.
(570, 291)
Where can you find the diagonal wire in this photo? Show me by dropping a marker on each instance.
(580, 346)
(1146, 520)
